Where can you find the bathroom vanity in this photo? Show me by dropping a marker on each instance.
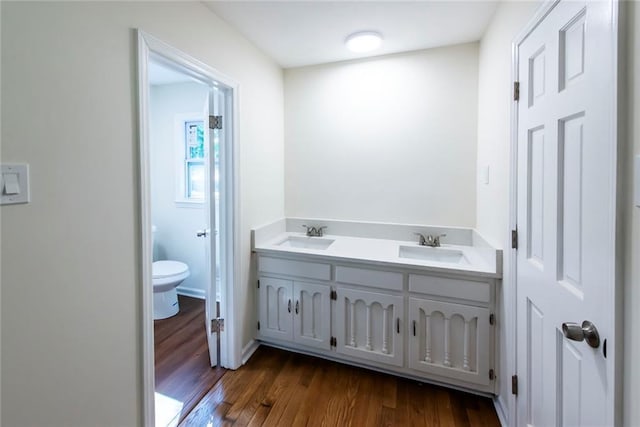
(371, 296)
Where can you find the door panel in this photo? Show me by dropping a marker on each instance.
(565, 214)
(311, 315)
(215, 182)
(369, 325)
(276, 306)
(208, 233)
(452, 340)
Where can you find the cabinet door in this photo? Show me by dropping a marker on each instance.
(368, 326)
(275, 308)
(311, 314)
(451, 340)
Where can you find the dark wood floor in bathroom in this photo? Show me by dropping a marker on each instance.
(182, 364)
(279, 388)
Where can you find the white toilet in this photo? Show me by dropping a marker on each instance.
(167, 275)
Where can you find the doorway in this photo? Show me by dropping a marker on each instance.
(188, 219)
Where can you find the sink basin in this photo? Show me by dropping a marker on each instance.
(450, 256)
(306, 242)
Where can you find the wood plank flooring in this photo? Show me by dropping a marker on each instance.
(182, 368)
(279, 388)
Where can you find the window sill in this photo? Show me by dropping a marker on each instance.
(190, 204)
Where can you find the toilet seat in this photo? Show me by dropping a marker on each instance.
(166, 273)
(162, 269)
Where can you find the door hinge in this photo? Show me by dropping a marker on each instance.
(215, 122)
(258, 284)
(516, 91)
(333, 342)
(514, 384)
(258, 325)
(491, 374)
(492, 319)
(217, 325)
(333, 295)
(514, 239)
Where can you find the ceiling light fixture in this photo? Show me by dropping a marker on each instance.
(363, 41)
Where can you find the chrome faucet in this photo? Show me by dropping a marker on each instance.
(430, 240)
(315, 231)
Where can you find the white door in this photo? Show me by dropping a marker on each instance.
(311, 314)
(566, 217)
(213, 136)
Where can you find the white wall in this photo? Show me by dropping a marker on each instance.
(176, 224)
(71, 337)
(631, 374)
(494, 127)
(389, 139)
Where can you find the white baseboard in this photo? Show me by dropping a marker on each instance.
(501, 411)
(248, 350)
(191, 292)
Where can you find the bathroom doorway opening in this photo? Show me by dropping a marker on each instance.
(189, 227)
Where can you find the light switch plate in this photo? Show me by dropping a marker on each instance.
(484, 174)
(14, 191)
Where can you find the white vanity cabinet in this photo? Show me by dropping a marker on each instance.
(434, 326)
(369, 325)
(294, 311)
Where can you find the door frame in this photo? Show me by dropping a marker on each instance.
(612, 239)
(151, 47)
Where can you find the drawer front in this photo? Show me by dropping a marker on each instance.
(310, 270)
(373, 278)
(452, 288)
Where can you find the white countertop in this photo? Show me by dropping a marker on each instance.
(477, 261)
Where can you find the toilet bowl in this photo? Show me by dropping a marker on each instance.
(167, 275)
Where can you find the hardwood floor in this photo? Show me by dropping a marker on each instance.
(278, 388)
(182, 364)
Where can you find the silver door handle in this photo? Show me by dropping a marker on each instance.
(585, 332)
(202, 233)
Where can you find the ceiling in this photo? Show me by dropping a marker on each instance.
(299, 33)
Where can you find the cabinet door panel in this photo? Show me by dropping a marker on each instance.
(369, 326)
(451, 340)
(276, 306)
(311, 319)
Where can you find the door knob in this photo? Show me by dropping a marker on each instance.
(585, 332)
(202, 233)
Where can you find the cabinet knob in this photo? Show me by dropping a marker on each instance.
(289, 306)
(397, 325)
(297, 306)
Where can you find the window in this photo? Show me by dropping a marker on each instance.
(191, 159)
(194, 159)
